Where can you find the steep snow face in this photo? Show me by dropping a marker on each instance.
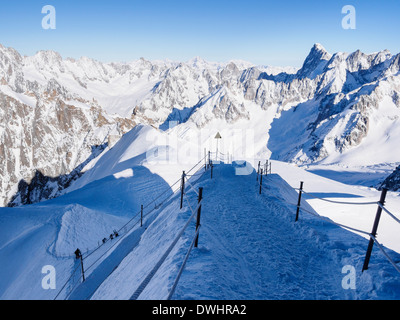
(143, 146)
(315, 62)
(42, 145)
(353, 113)
(48, 128)
(137, 170)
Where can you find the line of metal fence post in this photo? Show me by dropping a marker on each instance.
(198, 216)
(83, 272)
(261, 174)
(211, 164)
(374, 230)
(182, 188)
(299, 201)
(141, 215)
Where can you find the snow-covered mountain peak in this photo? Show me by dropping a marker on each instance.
(315, 62)
(394, 67)
(197, 62)
(242, 64)
(325, 91)
(318, 47)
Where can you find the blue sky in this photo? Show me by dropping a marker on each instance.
(263, 32)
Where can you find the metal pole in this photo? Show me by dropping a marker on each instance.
(141, 215)
(211, 169)
(374, 229)
(299, 201)
(83, 272)
(258, 169)
(266, 167)
(196, 242)
(209, 157)
(182, 188)
(261, 172)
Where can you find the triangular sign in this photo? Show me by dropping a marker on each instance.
(218, 136)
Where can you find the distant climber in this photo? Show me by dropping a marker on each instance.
(78, 253)
(116, 233)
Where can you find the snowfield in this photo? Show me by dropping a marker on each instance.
(250, 246)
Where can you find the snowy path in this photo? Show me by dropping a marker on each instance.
(255, 252)
(250, 247)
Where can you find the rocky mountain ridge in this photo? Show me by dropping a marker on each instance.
(55, 111)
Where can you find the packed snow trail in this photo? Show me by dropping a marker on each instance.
(250, 248)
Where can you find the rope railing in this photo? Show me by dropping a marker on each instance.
(195, 211)
(220, 156)
(385, 253)
(114, 243)
(355, 230)
(201, 174)
(122, 232)
(197, 164)
(66, 282)
(151, 274)
(136, 215)
(173, 288)
(337, 202)
(353, 203)
(194, 242)
(371, 235)
(388, 212)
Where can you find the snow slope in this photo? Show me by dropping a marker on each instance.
(35, 236)
(107, 197)
(250, 246)
(356, 216)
